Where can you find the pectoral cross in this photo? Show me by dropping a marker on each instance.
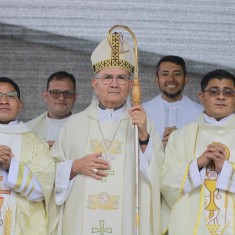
(107, 156)
(109, 172)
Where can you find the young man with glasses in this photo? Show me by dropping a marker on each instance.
(198, 175)
(60, 96)
(27, 170)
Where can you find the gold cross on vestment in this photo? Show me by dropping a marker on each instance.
(109, 172)
(102, 230)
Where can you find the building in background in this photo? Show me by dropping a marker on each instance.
(41, 37)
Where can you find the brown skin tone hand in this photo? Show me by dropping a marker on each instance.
(215, 152)
(5, 157)
(166, 134)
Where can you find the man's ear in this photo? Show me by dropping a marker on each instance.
(131, 83)
(201, 96)
(20, 105)
(157, 80)
(45, 95)
(94, 84)
(75, 97)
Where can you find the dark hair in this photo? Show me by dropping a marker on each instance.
(8, 80)
(60, 76)
(173, 59)
(216, 74)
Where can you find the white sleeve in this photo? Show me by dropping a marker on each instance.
(194, 177)
(63, 183)
(226, 178)
(21, 180)
(145, 158)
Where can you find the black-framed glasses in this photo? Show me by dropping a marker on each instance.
(9, 94)
(68, 94)
(108, 79)
(214, 92)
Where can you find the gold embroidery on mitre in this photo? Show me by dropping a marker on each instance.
(117, 48)
(100, 146)
(103, 201)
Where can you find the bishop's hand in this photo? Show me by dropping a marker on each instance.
(91, 165)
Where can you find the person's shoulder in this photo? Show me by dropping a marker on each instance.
(33, 137)
(192, 102)
(186, 129)
(76, 117)
(32, 123)
(149, 103)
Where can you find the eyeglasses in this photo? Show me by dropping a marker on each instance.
(214, 92)
(9, 94)
(121, 80)
(57, 93)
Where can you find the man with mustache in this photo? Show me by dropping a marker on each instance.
(171, 109)
(198, 174)
(59, 96)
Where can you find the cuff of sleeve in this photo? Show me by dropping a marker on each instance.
(62, 183)
(10, 177)
(195, 177)
(63, 171)
(145, 158)
(224, 178)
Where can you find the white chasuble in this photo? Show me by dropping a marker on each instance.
(219, 204)
(102, 211)
(7, 196)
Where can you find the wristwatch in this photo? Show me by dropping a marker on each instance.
(144, 142)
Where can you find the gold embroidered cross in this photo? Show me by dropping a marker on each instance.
(102, 230)
(109, 172)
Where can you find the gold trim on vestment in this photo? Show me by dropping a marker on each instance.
(103, 201)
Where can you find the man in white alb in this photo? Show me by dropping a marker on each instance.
(60, 96)
(198, 175)
(27, 170)
(171, 109)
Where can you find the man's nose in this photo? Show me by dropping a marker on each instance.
(221, 95)
(4, 99)
(114, 82)
(171, 76)
(61, 96)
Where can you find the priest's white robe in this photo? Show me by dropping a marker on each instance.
(187, 111)
(45, 127)
(34, 157)
(85, 212)
(186, 192)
